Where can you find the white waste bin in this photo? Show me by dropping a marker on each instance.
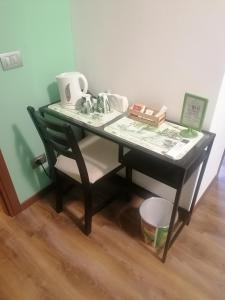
(155, 219)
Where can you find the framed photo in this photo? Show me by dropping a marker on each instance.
(193, 112)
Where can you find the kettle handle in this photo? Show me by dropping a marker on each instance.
(85, 89)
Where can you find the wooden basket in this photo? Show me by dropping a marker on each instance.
(153, 120)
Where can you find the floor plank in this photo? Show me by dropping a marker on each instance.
(44, 255)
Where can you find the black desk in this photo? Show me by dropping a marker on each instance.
(173, 173)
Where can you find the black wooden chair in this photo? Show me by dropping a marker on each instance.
(87, 162)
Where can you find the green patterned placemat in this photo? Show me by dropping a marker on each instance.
(165, 139)
(94, 119)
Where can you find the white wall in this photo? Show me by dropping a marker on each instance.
(152, 51)
(217, 126)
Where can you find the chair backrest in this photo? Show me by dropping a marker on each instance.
(58, 139)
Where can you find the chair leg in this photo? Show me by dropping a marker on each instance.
(59, 195)
(129, 182)
(87, 211)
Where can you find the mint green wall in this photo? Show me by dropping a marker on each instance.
(41, 30)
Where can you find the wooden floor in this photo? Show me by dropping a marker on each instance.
(45, 256)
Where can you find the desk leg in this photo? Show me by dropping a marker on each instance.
(129, 182)
(172, 220)
(199, 182)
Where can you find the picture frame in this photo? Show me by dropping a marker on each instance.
(193, 112)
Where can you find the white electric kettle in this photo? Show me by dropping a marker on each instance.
(70, 89)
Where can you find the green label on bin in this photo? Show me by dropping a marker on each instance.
(161, 235)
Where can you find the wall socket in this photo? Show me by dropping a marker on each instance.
(39, 160)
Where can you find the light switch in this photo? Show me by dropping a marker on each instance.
(11, 60)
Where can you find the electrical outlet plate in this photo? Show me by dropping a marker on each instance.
(39, 160)
(11, 60)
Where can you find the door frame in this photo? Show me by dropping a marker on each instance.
(10, 201)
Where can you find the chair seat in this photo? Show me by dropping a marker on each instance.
(100, 156)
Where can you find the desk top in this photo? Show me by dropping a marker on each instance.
(106, 131)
